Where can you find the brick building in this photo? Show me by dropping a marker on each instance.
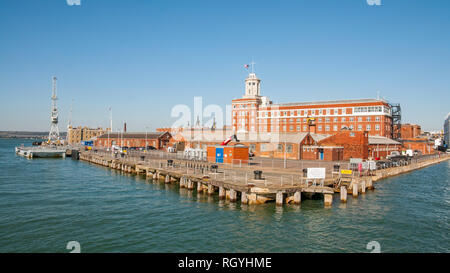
(256, 113)
(77, 134)
(159, 140)
(381, 147)
(422, 145)
(410, 131)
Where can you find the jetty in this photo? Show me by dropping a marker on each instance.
(247, 185)
(41, 151)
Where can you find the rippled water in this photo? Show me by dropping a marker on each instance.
(45, 203)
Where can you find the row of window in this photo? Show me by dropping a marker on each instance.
(319, 128)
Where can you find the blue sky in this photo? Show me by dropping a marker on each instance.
(144, 57)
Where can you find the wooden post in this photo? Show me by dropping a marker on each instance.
(222, 193)
(233, 195)
(370, 183)
(199, 187)
(244, 198)
(167, 178)
(363, 186)
(328, 199)
(279, 198)
(297, 197)
(190, 184)
(355, 189)
(210, 189)
(343, 194)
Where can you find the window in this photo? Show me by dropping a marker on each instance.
(280, 147)
(320, 127)
(377, 127)
(367, 127)
(343, 119)
(377, 118)
(335, 128)
(359, 118)
(252, 147)
(335, 119)
(289, 148)
(291, 128)
(351, 119)
(298, 128)
(327, 128)
(368, 118)
(360, 127)
(263, 147)
(304, 128)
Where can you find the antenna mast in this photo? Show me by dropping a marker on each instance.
(53, 136)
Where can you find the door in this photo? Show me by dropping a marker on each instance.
(321, 154)
(219, 155)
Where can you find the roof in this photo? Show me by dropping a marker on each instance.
(373, 140)
(148, 135)
(330, 102)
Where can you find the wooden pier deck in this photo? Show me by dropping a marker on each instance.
(231, 183)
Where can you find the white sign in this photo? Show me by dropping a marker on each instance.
(316, 173)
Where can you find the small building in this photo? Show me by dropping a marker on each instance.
(421, 145)
(410, 131)
(159, 140)
(228, 154)
(380, 147)
(354, 144)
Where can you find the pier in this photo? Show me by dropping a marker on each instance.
(244, 185)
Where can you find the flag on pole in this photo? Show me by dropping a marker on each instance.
(246, 66)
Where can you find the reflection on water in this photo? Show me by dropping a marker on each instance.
(46, 203)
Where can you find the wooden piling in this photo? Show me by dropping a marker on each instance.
(244, 198)
(343, 194)
(167, 180)
(355, 189)
(190, 185)
(328, 199)
(233, 195)
(210, 189)
(363, 186)
(199, 187)
(279, 198)
(222, 193)
(297, 197)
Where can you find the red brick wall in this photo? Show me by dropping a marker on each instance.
(355, 143)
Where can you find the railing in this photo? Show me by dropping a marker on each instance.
(243, 170)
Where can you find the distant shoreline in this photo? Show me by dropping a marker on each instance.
(26, 135)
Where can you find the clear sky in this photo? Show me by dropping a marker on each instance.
(142, 57)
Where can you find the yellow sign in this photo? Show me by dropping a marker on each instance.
(346, 171)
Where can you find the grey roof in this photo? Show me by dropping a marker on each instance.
(329, 102)
(381, 140)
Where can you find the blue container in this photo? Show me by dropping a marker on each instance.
(219, 155)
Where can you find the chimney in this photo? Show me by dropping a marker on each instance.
(125, 127)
